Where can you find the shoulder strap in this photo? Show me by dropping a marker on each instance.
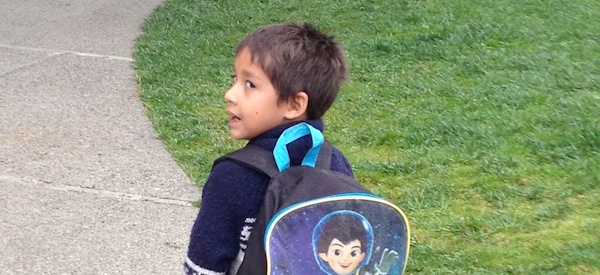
(325, 154)
(261, 160)
(255, 158)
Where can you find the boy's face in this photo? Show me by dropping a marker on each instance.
(253, 105)
(343, 258)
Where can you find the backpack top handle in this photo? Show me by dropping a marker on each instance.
(282, 156)
(272, 163)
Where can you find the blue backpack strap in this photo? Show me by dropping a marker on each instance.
(271, 163)
(315, 156)
(261, 160)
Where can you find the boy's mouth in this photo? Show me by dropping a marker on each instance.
(233, 119)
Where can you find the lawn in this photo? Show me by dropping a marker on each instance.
(480, 119)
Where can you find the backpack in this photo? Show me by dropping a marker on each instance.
(317, 221)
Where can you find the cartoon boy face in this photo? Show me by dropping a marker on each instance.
(342, 242)
(343, 258)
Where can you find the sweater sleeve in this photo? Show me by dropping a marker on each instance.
(231, 198)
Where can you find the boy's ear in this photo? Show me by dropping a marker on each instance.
(324, 257)
(297, 106)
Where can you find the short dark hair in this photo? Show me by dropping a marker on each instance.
(299, 58)
(345, 228)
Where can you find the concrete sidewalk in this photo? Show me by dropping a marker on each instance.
(86, 187)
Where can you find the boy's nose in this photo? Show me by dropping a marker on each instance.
(229, 95)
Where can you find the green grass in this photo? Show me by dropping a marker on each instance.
(480, 119)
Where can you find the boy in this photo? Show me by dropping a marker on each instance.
(283, 75)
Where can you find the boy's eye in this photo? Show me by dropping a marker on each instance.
(354, 253)
(337, 252)
(249, 85)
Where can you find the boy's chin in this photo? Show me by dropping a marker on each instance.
(238, 136)
(235, 137)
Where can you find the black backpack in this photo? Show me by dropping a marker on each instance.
(317, 221)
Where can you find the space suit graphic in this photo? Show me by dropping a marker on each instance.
(343, 242)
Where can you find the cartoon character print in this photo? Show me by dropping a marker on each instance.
(343, 242)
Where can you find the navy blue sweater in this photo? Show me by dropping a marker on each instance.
(231, 199)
